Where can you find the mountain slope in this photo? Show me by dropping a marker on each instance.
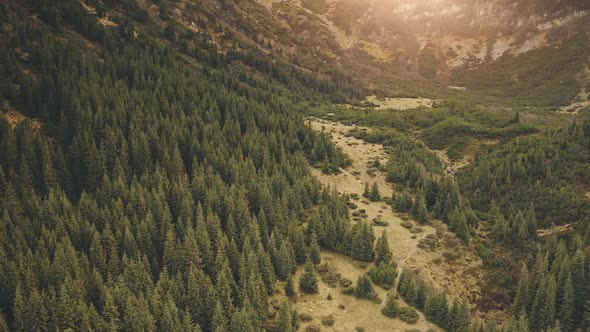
(447, 40)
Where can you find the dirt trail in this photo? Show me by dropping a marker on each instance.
(361, 313)
(353, 179)
(459, 276)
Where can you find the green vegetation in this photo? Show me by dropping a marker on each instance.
(384, 272)
(435, 306)
(550, 170)
(374, 195)
(390, 309)
(364, 288)
(316, 6)
(540, 77)
(362, 242)
(347, 12)
(167, 187)
(160, 178)
(308, 282)
(427, 61)
(409, 315)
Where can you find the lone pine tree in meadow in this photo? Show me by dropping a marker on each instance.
(374, 194)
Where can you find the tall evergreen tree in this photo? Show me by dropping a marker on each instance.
(314, 250)
(390, 309)
(382, 252)
(308, 282)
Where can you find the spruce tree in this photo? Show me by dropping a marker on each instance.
(219, 320)
(364, 288)
(463, 317)
(289, 288)
(522, 291)
(285, 318)
(419, 209)
(391, 309)
(382, 252)
(374, 194)
(362, 242)
(314, 250)
(110, 313)
(566, 309)
(308, 282)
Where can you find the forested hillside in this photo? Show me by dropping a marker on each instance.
(162, 190)
(520, 203)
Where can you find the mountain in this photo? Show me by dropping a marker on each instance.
(453, 42)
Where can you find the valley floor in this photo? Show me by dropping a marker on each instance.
(458, 276)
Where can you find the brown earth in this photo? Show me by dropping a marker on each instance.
(14, 118)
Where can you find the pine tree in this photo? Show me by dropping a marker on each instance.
(219, 321)
(403, 201)
(314, 250)
(374, 194)
(458, 224)
(3, 324)
(382, 252)
(566, 309)
(522, 291)
(549, 313)
(463, 317)
(289, 288)
(442, 312)
(419, 208)
(453, 318)
(391, 309)
(110, 313)
(421, 296)
(308, 282)
(364, 288)
(411, 294)
(362, 242)
(224, 290)
(285, 318)
(539, 305)
(19, 310)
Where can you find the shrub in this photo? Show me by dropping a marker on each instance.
(305, 317)
(408, 315)
(348, 290)
(312, 328)
(379, 222)
(328, 320)
(407, 224)
(345, 282)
